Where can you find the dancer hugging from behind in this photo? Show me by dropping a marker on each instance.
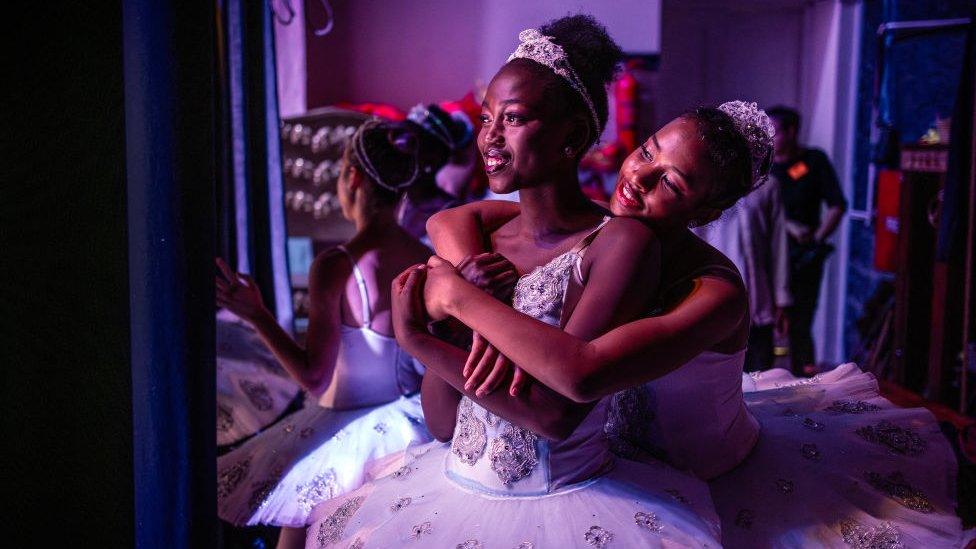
(533, 470)
(790, 462)
(365, 385)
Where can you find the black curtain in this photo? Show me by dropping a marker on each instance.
(250, 209)
(64, 328)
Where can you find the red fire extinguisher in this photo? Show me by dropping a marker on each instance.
(625, 104)
(886, 226)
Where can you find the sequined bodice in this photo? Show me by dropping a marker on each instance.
(490, 454)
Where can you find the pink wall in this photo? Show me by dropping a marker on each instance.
(430, 50)
(716, 51)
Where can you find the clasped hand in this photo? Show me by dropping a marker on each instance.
(425, 293)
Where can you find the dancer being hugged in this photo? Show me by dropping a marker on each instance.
(533, 470)
(366, 385)
(834, 464)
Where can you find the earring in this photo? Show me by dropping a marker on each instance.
(569, 151)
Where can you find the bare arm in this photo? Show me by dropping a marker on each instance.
(635, 353)
(439, 401)
(312, 367)
(537, 408)
(463, 231)
(830, 222)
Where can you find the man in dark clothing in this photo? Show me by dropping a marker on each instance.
(808, 181)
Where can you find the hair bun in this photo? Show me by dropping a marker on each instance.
(757, 129)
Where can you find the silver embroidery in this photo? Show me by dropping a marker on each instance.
(358, 544)
(470, 544)
(231, 477)
(648, 521)
(225, 420)
(400, 503)
(882, 536)
(786, 486)
(811, 452)
(491, 419)
(597, 536)
(381, 428)
(401, 473)
(289, 428)
(540, 293)
(258, 394)
(261, 490)
(852, 407)
(322, 487)
(526, 545)
(812, 424)
(803, 381)
(306, 432)
(898, 440)
(470, 434)
(419, 530)
(629, 418)
(755, 375)
(330, 529)
(897, 488)
(513, 454)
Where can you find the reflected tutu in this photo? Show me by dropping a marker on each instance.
(312, 455)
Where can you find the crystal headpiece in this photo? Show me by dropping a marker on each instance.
(541, 49)
(754, 124)
(358, 144)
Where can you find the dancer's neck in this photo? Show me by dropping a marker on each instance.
(556, 209)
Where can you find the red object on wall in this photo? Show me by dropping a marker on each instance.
(887, 225)
(625, 104)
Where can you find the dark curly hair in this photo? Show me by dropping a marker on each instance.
(392, 151)
(593, 55)
(728, 151)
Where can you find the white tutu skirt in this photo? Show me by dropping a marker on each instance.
(837, 465)
(252, 388)
(634, 505)
(309, 456)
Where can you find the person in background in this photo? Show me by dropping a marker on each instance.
(753, 235)
(807, 181)
(446, 166)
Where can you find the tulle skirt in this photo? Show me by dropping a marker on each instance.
(252, 388)
(634, 505)
(837, 465)
(312, 455)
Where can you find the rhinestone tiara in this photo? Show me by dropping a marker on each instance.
(754, 124)
(537, 47)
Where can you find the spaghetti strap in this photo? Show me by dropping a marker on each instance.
(580, 248)
(361, 281)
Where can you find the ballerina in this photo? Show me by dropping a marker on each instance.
(365, 384)
(833, 464)
(533, 470)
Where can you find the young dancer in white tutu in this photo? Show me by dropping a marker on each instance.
(365, 385)
(534, 470)
(793, 462)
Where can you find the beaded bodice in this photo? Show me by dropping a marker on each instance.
(490, 454)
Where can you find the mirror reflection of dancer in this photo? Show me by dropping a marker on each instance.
(351, 363)
(833, 463)
(534, 470)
